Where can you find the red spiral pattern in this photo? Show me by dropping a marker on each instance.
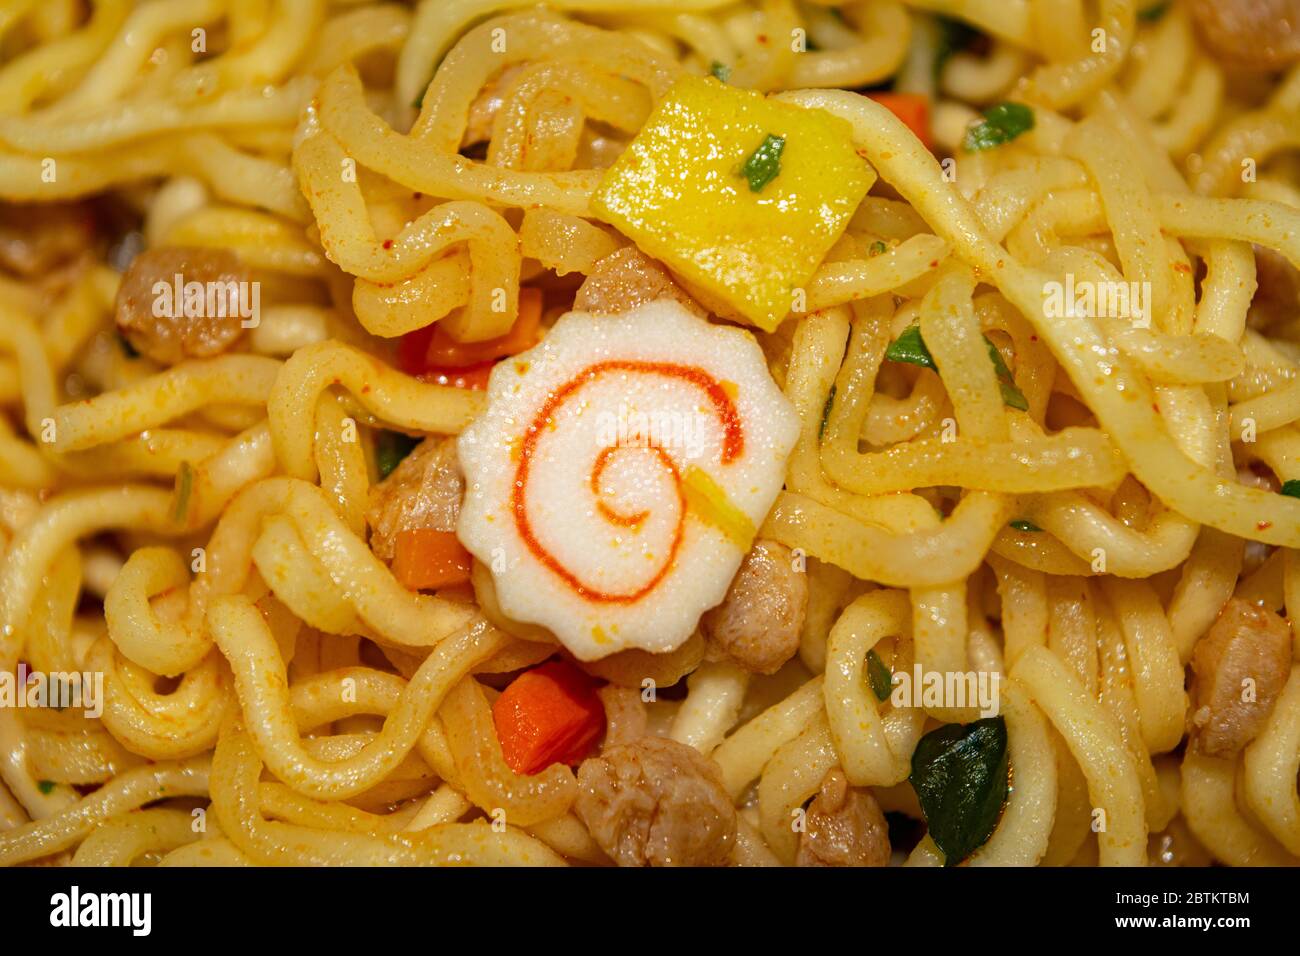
(733, 447)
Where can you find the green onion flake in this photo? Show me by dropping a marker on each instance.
(1291, 488)
(390, 449)
(909, 347)
(953, 36)
(826, 414)
(764, 163)
(878, 674)
(1011, 395)
(1155, 11)
(1002, 123)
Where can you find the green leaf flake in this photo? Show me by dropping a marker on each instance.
(1155, 11)
(1012, 396)
(46, 787)
(1002, 123)
(1291, 488)
(1020, 524)
(764, 163)
(390, 449)
(826, 414)
(879, 676)
(959, 773)
(909, 347)
(954, 36)
(720, 71)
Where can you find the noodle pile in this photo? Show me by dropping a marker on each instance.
(197, 533)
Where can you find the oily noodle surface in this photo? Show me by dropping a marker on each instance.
(263, 665)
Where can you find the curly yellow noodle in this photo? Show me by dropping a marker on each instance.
(1212, 814)
(818, 342)
(874, 748)
(792, 776)
(127, 792)
(214, 851)
(162, 398)
(1151, 451)
(1117, 694)
(928, 556)
(743, 755)
(235, 800)
(1153, 659)
(199, 533)
(123, 839)
(162, 727)
(715, 694)
(1271, 763)
(373, 144)
(396, 398)
(1094, 739)
(261, 684)
(167, 648)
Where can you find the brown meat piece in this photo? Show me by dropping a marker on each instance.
(424, 491)
(625, 716)
(483, 112)
(176, 336)
(1278, 297)
(655, 802)
(36, 238)
(845, 827)
(759, 621)
(1245, 643)
(625, 279)
(1250, 34)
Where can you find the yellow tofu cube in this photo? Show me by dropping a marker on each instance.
(741, 195)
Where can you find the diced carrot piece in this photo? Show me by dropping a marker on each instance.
(550, 714)
(444, 350)
(912, 108)
(431, 351)
(425, 559)
(412, 349)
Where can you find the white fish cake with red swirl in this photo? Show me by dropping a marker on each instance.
(583, 475)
